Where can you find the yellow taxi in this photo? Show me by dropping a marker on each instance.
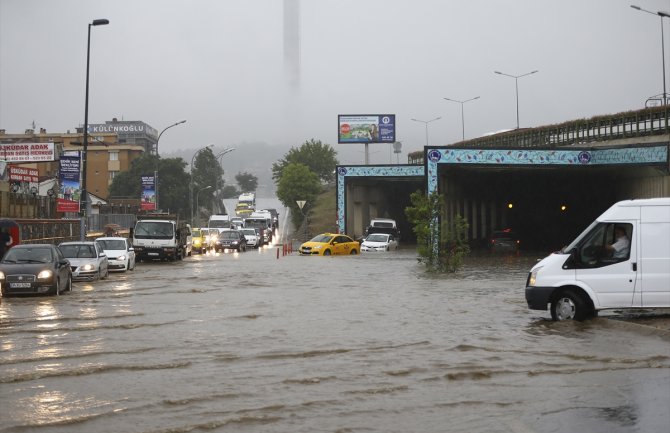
(327, 244)
(200, 244)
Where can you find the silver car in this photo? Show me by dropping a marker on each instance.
(87, 260)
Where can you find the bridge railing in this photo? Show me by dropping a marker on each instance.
(631, 124)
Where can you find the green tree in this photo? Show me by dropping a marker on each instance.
(246, 181)
(172, 180)
(298, 182)
(229, 191)
(320, 158)
(452, 245)
(207, 171)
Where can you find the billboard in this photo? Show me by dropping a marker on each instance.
(148, 199)
(27, 152)
(366, 128)
(70, 188)
(23, 180)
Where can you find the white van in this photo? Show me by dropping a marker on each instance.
(219, 222)
(601, 269)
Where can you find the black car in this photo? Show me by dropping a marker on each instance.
(504, 241)
(32, 269)
(231, 240)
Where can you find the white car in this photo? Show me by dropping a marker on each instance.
(379, 242)
(251, 237)
(120, 253)
(87, 260)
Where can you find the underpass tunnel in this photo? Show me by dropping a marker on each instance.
(370, 197)
(547, 207)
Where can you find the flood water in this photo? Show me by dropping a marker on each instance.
(370, 343)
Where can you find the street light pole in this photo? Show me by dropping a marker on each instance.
(426, 122)
(462, 112)
(661, 15)
(197, 197)
(157, 157)
(190, 184)
(218, 157)
(516, 80)
(83, 199)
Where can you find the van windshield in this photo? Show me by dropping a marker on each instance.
(578, 239)
(219, 224)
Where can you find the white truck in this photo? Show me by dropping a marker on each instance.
(160, 237)
(622, 260)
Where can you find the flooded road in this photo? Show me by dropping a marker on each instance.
(249, 343)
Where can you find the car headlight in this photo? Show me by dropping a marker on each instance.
(87, 267)
(533, 277)
(45, 275)
(318, 247)
(2, 275)
(122, 258)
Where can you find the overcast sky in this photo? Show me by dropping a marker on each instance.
(220, 65)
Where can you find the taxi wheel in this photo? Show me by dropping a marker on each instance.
(326, 253)
(353, 252)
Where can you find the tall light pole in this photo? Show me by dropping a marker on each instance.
(190, 184)
(661, 15)
(218, 157)
(426, 122)
(197, 197)
(83, 199)
(157, 157)
(516, 80)
(462, 115)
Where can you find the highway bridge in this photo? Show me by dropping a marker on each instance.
(546, 183)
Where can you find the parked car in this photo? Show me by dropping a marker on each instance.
(326, 244)
(504, 241)
(379, 242)
(87, 260)
(31, 269)
(251, 236)
(231, 240)
(120, 253)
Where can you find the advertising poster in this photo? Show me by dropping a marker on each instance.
(23, 180)
(28, 152)
(69, 193)
(366, 128)
(148, 199)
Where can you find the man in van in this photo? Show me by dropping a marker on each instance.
(621, 246)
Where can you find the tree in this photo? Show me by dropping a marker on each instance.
(229, 191)
(172, 177)
(207, 171)
(452, 245)
(319, 157)
(298, 182)
(246, 181)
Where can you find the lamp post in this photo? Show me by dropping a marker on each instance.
(197, 197)
(190, 184)
(661, 15)
(426, 122)
(218, 157)
(157, 157)
(83, 199)
(516, 81)
(462, 115)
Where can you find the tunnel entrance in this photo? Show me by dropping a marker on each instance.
(547, 207)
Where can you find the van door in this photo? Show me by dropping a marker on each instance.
(655, 257)
(610, 272)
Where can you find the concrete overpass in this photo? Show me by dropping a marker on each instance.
(547, 183)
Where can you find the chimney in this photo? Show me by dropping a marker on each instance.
(43, 131)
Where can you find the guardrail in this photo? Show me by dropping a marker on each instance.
(631, 124)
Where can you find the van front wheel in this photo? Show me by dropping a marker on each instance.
(569, 305)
